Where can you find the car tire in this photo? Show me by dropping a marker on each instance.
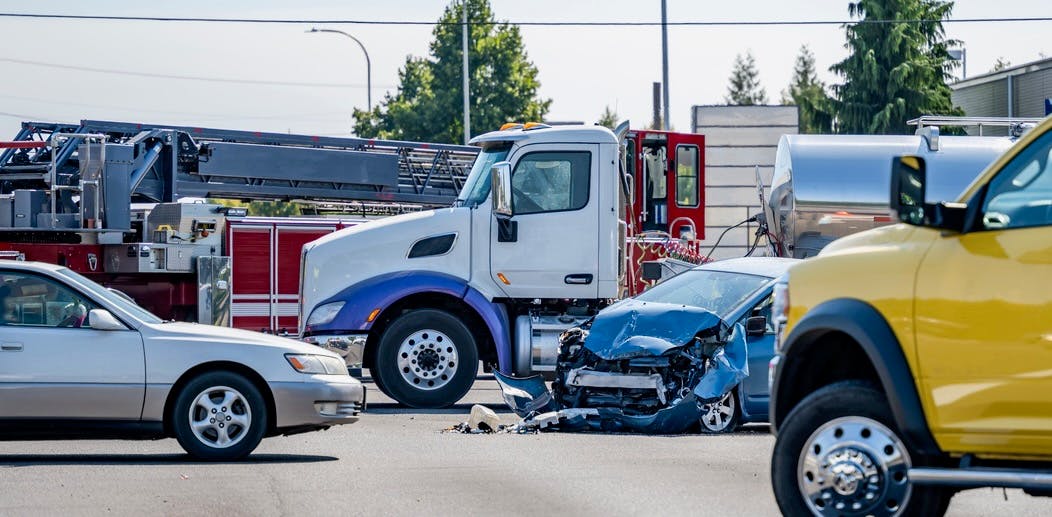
(847, 428)
(219, 416)
(427, 358)
(721, 416)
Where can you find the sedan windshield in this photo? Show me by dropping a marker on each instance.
(716, 291)
(100, 292)
(476, 189)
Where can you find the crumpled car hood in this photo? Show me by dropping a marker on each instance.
(633, 328)
(695, 356)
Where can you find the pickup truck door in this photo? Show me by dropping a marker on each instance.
(555, 200)
(983, 326)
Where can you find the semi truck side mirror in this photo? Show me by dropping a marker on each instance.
(908, 188)
(501, 187)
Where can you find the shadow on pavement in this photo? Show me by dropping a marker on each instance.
(394, 408)
(30, 460)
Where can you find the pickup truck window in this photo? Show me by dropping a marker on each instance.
(551, 182)
(1021, 194)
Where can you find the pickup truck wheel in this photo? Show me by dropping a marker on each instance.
(721, 416)
(426, 359)
(219, 416)
(838, 453)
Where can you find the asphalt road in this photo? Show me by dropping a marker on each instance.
(398, 462)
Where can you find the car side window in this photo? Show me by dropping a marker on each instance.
(1020, 195)
(29, 300)
(763, 309)
(551, 182)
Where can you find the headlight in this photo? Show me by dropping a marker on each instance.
(324, 313)
(323, 364)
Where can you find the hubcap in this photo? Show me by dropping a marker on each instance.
(854, 466)
(220, 417)
(716, 416)
(428, 359)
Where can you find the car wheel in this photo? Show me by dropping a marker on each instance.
(838, 453)
(722, 415)
(219, 416)
(426, 359)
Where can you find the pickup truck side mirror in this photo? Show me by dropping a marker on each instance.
(908, 188)
(756, 326)
(500, 185)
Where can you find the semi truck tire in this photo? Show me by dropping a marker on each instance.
(427, 358)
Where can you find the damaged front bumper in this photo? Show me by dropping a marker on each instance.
(640, 367)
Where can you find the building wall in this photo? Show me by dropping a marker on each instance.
(738, 139)
(987, 95)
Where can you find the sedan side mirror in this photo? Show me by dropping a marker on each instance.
(501, 186)
(102, 319)
(756, 326)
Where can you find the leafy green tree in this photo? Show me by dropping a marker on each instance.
(428, 105)
(263, 208)
(895, 71)
(608, 119)
(809, 95)
(744, 88)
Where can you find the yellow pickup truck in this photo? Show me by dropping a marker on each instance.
(915, 360)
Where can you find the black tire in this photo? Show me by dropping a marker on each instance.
(859, 404)
(443, 343)
(733, 421)
(250, 406)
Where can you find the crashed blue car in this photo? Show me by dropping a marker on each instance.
(675, 358)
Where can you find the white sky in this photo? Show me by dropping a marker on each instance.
(581, 69)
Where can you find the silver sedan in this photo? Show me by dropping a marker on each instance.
(80, 361)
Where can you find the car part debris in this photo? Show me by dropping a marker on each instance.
(637, 366)
(483, 418)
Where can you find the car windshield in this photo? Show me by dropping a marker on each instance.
(101, 292)
(476, 189)
(716, 291)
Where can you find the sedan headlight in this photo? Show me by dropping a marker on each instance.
(324, 313)
(321, 364)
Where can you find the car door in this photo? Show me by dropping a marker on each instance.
(53, 365)
(761, 350)
(982, 310)
(555, 201)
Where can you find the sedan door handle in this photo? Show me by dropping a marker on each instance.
(11, 347)
(578, 279)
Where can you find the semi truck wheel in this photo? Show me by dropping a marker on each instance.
(427, 359)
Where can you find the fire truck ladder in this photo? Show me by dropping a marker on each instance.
(162, 163)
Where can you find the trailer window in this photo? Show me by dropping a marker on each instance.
(687, 175)
(550, 182)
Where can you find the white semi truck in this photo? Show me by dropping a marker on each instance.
(547, 229)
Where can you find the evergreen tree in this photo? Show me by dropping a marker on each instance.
(809, 95)
(895, 71)
(428, 105)
(744, 88)
(608, 119)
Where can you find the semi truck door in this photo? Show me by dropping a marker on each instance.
(554, 252)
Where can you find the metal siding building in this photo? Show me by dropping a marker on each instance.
(988, 95)
(738, 139)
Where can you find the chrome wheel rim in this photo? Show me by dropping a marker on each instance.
(854, 466)
(220, 417)
(716, 416)
(428, 359)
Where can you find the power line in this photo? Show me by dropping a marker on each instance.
(184, 77)
(744, 23)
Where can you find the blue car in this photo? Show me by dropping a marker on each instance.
(736, 290)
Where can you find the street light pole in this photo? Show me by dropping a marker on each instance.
(368, 65)
(467, 93)
(664, 65)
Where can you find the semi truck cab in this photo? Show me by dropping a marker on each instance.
(421, 298)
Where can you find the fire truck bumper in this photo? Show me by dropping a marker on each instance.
(350, 347)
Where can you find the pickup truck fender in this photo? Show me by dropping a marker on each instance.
(866, 326)
(383, 291)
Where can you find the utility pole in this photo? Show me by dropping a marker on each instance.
(664, 64)
(467, 95)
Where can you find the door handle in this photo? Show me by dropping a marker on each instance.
(11, 347)
(578, 279)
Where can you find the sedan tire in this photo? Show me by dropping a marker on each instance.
(219, 416)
